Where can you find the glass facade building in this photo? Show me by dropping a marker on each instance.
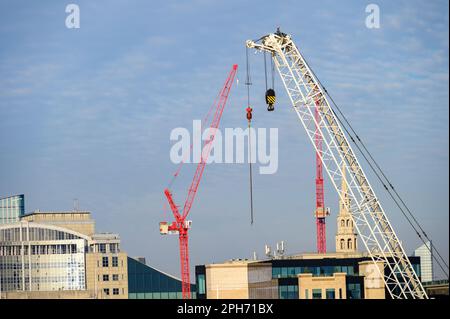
(35, 257)
(12, 208)
(145, 282)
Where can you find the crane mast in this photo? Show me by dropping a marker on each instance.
(311, 105)
(321, 212)
(181, 225)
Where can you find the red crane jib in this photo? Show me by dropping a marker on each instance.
(179, 225)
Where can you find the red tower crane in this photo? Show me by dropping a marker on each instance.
(181, 226)
(321, 212)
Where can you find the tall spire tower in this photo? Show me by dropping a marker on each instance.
(345, 235)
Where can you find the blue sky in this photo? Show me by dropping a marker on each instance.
(87, 113)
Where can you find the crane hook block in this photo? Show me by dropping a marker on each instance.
(249, 113)
(270, 99)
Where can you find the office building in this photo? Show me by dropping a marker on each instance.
(306, 276)
(59, 255)
(425, 253)
(12, 208)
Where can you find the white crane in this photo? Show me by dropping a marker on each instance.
(374, 229)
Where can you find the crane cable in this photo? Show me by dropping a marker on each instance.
(272, 71)
(249, 110)
(355, 139)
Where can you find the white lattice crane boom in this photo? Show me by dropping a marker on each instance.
(307, 96)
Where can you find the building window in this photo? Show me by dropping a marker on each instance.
(105, 262)
(105, 277)
(115, 261)
(102, 248)
(113, 248)
(115, 277)
(115, 291)
(330, 293)
(317, 293)
(340, 293)
(106, 291)
(276, 272)
(353, 291)
(342, 244)
(288, 292)
(350, 244)
(201, 284)
(306, 293)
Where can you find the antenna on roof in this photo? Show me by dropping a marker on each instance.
(76, 205)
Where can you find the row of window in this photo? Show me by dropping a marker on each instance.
(33, 234)
(49, 265)
(104, 248)
(347, 222)
(105, 261)
(18, 250)
(288, 292)
(159, 295)
(291, 292)
(114, 277)
(285, 272)
(351, 243)
(330, 293)
(115, 291)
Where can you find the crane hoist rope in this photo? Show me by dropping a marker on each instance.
(270, 92)
(249, 110)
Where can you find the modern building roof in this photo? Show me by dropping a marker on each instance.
(16, 195)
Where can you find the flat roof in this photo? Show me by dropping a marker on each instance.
(38, 212)
(17, 195)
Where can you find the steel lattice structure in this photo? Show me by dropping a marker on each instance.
(181, 226)
(369, 218)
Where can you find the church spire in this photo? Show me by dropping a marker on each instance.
(346, 235)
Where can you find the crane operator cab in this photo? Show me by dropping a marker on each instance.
(270, 99)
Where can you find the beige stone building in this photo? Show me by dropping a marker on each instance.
(240, 279)
(59, 255)
(338, 275)
(79, 221)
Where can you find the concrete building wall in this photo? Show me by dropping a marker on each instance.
(64, 294)
(227, 281)
(307, 284)
(260, 282)
(80, 222)
(373, 280)
(97, 272)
